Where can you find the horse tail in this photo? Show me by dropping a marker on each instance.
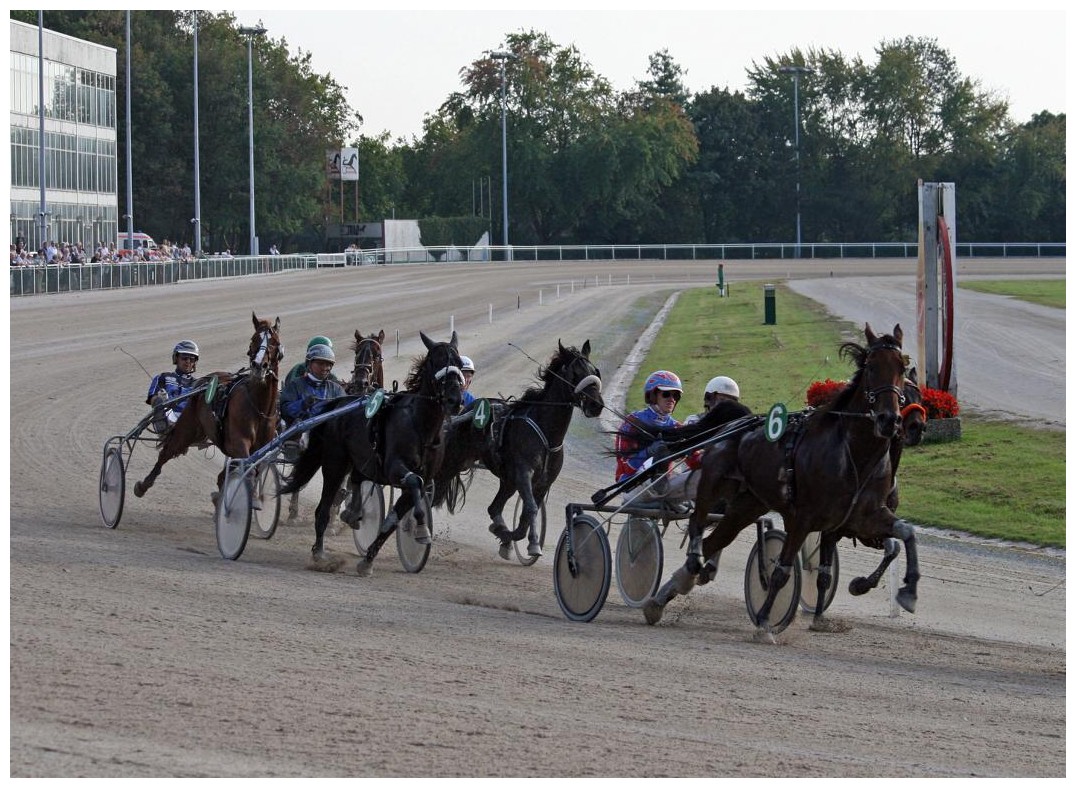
(462, 449)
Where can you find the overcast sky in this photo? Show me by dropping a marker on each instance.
(398, 65)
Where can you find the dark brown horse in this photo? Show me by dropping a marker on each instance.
(524, 445)
(250, 407)
(398, 445)
(831, 472)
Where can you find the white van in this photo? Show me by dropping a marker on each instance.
(141, 241)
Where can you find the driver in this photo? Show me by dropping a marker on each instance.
(467, 368)
(300, 368)
(169, 385)
(302, 396)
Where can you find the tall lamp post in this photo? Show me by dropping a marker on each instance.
(503, 57)
(250, 33)
(796, 72)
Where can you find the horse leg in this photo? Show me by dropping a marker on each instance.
(534, 537)
(177, 443)
(413, 482)
(331, 476)
(861, 585)
(827, 549)
(780, 575)
(365, 567)
(293, 506)
(497, 525)
(906, 597)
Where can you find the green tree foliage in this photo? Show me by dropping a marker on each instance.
(586, 164)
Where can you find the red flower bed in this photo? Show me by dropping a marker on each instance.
(822, 392)
(939, 404)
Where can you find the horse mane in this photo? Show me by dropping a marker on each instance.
(414, 375)
(549, 373)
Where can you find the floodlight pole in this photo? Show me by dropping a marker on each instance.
(503, 57)
(796, 71)
(250, 33)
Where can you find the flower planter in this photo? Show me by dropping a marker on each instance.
(942, 430)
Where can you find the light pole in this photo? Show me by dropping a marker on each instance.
(503, 57)
(796, 71)
(250, 33)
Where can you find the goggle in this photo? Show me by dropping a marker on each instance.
(667, 394)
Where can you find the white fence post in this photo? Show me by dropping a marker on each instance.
(491, 314)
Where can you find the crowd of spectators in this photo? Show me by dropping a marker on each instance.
(55, 253)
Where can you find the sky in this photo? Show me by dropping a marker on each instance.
(398, 65)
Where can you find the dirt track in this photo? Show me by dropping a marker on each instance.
(140, 652)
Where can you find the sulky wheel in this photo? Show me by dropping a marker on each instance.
(372, 498)
(232, 515)
(582, 569)
(756, 582)
(413, 555)
(639, 560)
(112, 486)
(263, 521)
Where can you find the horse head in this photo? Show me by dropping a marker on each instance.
(438, 374)
(266, 350)
(913, 414)
(585, 380)
(879, 379)
(368, 372)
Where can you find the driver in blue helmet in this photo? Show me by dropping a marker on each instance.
(303, 396)
(662, 392)
(169, 385)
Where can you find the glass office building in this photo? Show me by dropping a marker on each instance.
(81, 203)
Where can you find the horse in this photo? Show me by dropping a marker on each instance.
(524, 444)
(398, 445)
(830, 472)
(367, 374)
(249, 408)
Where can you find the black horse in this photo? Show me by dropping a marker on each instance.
(830, 472)
(398, 445)
(523, 446)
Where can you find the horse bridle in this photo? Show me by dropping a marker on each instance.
(259, 364)
(591, 379)
(441, 378)
(376, 356)
(873, 394)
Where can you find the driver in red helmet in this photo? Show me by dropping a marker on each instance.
(662, 391)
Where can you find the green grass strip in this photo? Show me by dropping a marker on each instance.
(1048, 292)
(1000, 480)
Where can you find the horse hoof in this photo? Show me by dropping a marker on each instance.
(906, 599)
(764, 635)
(859, 586)
(421, 534)
(293, 516)
(139, 490)
(706, 574)
(534, 550)
(652, 611)
(214, 497)
(321, 562)
(364, 568)
(505, 551)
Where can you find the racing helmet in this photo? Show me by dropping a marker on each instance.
(723, 384)
(187, 347)
(662, 380)
(320, 353)
(319, 340)
(466, 365)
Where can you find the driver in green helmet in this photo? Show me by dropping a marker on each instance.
(300, 368)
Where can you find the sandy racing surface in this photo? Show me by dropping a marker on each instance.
(140, 652)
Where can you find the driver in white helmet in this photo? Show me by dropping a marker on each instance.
(303, 396)
(719, 388)
(467, 368)
(169, 385)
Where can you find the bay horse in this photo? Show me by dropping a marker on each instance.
(367, 374)
(249, 408)
(831, 472)
(398, 446)
(523, 445)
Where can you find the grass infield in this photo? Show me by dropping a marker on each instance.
(1000, 480)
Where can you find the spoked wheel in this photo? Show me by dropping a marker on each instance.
(520, 546)
(263, 522)
(639, 560)
(809, 556)
(413, 555)
(756, 582)
(232, 516)
(372, 498)
(582, 569)
(112, 486)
